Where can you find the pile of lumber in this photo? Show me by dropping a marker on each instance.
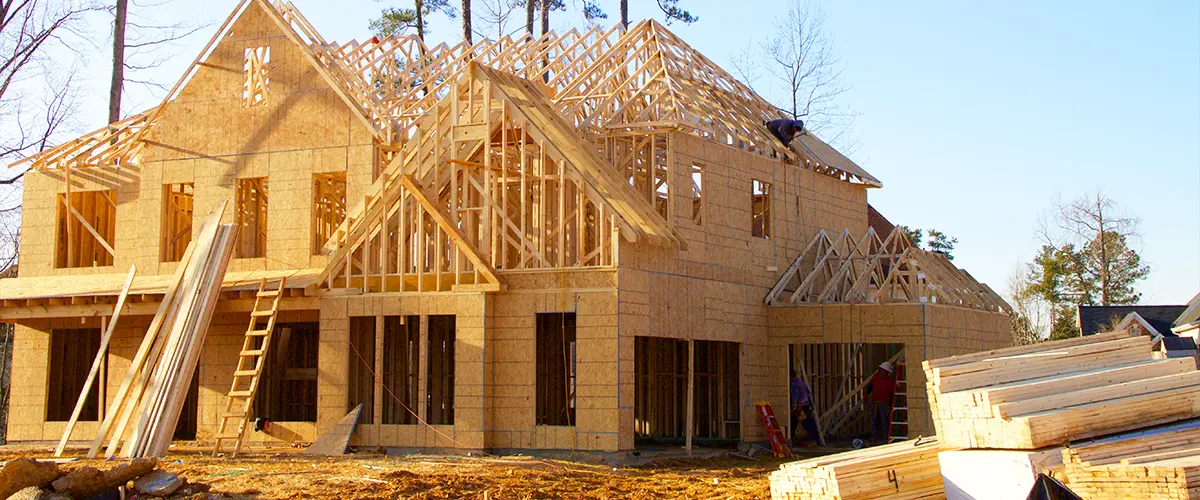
(1052, 393)
(908, 469)
(1162, 462)
(146, 408)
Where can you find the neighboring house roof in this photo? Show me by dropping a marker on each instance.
(1093, 318)
(878, 222)
(1191, 315)
(1179, 343)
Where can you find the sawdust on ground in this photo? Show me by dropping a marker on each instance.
(288, 475)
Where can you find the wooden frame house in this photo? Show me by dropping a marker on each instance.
(569, 242)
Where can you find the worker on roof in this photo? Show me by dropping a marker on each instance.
(784, 129)
(802, 408)
(880, 393)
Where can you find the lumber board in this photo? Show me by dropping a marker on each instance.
(1018, 350)
(100, 356)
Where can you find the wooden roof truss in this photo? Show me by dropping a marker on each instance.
(605, 81)
(875, 270)
(509, 186)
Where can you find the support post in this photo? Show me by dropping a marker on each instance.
(691, 393)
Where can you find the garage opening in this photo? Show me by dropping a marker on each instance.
(838, 374)
(661, 392)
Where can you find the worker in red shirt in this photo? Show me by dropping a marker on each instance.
(880, 394)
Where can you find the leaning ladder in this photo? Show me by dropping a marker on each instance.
(249, 367)
(898, 417)
(779, 444)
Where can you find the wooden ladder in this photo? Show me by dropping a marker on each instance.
(250, 365)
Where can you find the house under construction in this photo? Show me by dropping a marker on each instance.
(586, 241)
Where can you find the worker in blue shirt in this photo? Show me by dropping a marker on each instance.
(802, 408)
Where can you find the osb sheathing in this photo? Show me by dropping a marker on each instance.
(206, 136)
(28, 395)
(927, 331)
(469, 368)
(714, 289)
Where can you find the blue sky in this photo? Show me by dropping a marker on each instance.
(975, 115)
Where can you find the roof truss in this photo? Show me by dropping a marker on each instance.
(874, 270)
(510, 185)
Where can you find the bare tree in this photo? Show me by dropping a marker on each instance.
(530, 7)
(466, 20)
(545, 4)
(118, 72)
(745, 66)
(800, 56)
(1030, 313)
(37, 78)
(38, 63)
(495, 14)
(138, 44)
(1087, 258)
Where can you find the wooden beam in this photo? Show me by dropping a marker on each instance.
(690, 428)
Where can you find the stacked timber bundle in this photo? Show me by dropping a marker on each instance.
(1156, 463)
(146, 408)
(908, 469)
(1052, 393)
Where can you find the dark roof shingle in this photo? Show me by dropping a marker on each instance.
(1093, 318)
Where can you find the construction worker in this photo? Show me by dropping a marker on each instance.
(785, 129)
(880, 393)
(802, 407)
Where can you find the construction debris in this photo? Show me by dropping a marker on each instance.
(337, 439)
(87, 481)
(22, 473)
(26, 478)
(158, 483)
(1047, 394)
(908, 469)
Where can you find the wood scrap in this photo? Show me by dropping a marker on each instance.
(907, 469)
(101, 355)
(336, 440)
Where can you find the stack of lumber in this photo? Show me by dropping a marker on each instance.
(1157, 463)
(908, 469)
(146, 408)
(1051, 393)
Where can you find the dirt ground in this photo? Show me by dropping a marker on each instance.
(289, 475)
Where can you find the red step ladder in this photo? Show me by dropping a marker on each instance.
(778, 440)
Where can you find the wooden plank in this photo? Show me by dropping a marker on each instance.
(336, 440)
(96, 364)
